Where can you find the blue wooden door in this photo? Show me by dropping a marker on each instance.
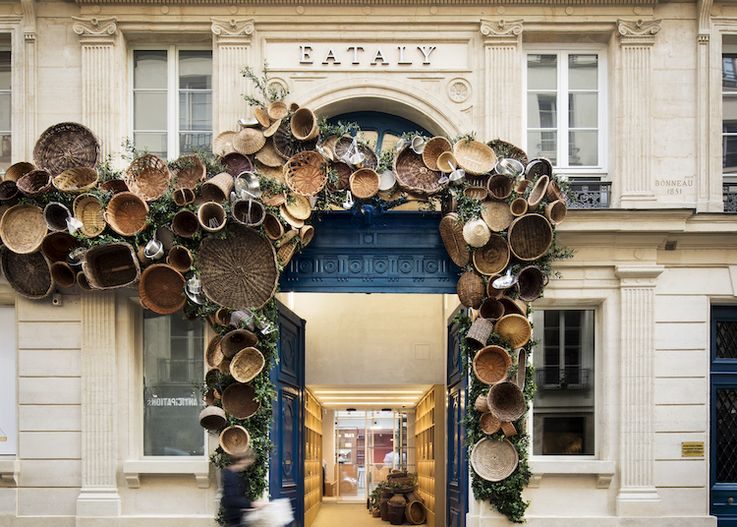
(457, 467)
(286, 468)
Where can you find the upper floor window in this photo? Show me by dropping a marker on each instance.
(172, 100)
(566, 109)
(6, 126)
(8, 407)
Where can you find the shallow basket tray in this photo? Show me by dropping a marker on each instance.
(23, 228)
(491, 363)
(88, 209)
(247, 364)
(28, 274)
(414, 176)
(494, 460)
(239, 400)
(474, 157)
(75, 180)
(161, 289)
(148, 176)
(64, 146)
(305, 173)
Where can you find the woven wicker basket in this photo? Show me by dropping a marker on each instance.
(82, 282)
(451, 232)
(306, 234)
(291, 220)
(161, 289)
(480, 331)
(344, 171)
(515, 329)
(8, 191)
(494, 460)
(481, 404)
(521, 186)
(213, 354)
(180, 258)
(538, 191)
(364, 183)
(505, 149)
(88, 209)
(530, 237)
(476, 233)
(305, 173)
(474, 157)
(56, 246)
(75, 180)
(285, 143)
(500, 187)
(493, 257)
(269, 156)
(262, 116)
(538, 167)
(223, 143)
(496, 214)
(556, 212)
(218, 188)
(110, 266)
(183, 197)
(213, 418)
(272, 129)
(433, 148)
(489, 424)
(531, 282)
(471, 289)
(491, 363)
(114, 186)
(28, 274)
(506, 401)
(249, 141)
(277, 110)
(15, 171)
(239, 400)
(518, 207)
(239, 272)
(477, 193)
(251, 213)
(554, 192)
(495, 293)
(285, 253)
(237, 340)
(273, 228)
(56, 215)
(211, 216)
(189, 171)
(185, 224)
(395, 509)
(415, 512)
(22, 228)
(35, 183)
(491, 309)
(127, 214)
(304, 125)
(343, 145)
(64, 146)
(508, 429)
(148, 176)
(247, 364)
(513, 306)
(235, 163)
(235, 440)
(413, 176)
(298, 207)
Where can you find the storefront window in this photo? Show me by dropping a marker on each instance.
(563, 409)
(172, 372)
(8, 415)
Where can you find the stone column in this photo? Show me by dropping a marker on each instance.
(634, 132)
(101, 96)
(503, 96)
(637, 493)
(30, 63)
(98, 496)
(231, 52)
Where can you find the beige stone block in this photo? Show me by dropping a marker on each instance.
(684, 501)
(33, 310)
(50, 445)
(675, 336)
(673, 418)
(687, 390)
(668, 445)
(49, 363)
(47, 502)
(8, 501)
(49, 417)
(168, 495)
(684, 281)
(49, 335)
(686, 363)
(681, 308)
(671, 137)
(50, 473)
(681, 473)
(36, 390)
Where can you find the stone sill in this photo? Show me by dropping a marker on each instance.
(199, 468)
(603, 470)
(9, 471)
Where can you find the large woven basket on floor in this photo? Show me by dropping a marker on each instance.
(415, 512)
(246, 364)
(235, 440)
(23, 228)
(56, 246)
(493, 257)
(188, 172)
(343, 146)
(305, 173)
(75, 180)
(364, 183)
(530, 236)
(239, 272)
(161, 289)
(35, 183)
(15, 171)
(451, 232)
(506, 401)
(474, 157)
(28, 274)
(64, 146)
(433, 148)
(414, 176)
(491, 363)
(213, 418)
(235, 163)
(236, 340)
(494, 460)
(515, 329)
(148, 176)
(471, 289)
(239, 400)
(286, 144)
(127, 213)
(505, 149)
(111, 265)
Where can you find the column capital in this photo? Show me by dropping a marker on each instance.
(638, 32)
(497, 32)
(638, 275)
(229, 29)
(96, 29)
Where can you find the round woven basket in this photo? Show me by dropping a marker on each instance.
(476, 233)
(285, 253)
(56, 246)
(496, 214)
(513, 306)
(8, 191)
(531, 282)
(56, 215)
(481, 404)
(211, 216)
(413, 176)
(183, 196)
(518, 207)
(491, 309)
(538, 167)
(451, 232)
(506, 401)
(273, 127)
(248, 212)
(494, 460)
(556, 212)
(88, 209)
(433, 148)
(474, 157)
(249, 141)
(530, 237)
(477, 193)
(161, 289)
(246, 364)
(213, 418)
(239, 400)
(75, 180)
(395, 509)
(127, 214)
(298, 207)
(491, 363)
(64, 146)
(262, 116)
(273, 227)
(223, 143)
(508, 429)
(235, 440)
(364, 183)
(291, 220)
(239, 272)
(185, 224)
(306, 234)
(344, 171)
(285, 143)
(28, 274)
(488, 422)
(188, 172)
(17, 170)
(62, 274)
(235, 163)
(343, 145)
(82, 282)
(493, 257)
(515, 329)
(554, 192)
(237, 340)
(213, 354)
(414, 512)
(114, 186)
(304, 125)
(500, 187)
(471, 289)
(538, 191)
(505, 149)
(34, 183)
(217, 188)
(521, 186)
(277, 110)
(111, 265)
(22, 228)
(269, 156)
(305, 173)
(148, 176)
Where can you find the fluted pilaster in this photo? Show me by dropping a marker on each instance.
(637, 492)
(232, 52)
(503, 79)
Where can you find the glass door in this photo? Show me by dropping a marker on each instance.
(350, 451)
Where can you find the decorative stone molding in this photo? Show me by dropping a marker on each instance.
(391, 3)
(638, 31)
(501, 29)
(9, 472)
(232, 28)
(232, 52)
(602, 470)
(704, 28)
(199, 468)
(95, 27)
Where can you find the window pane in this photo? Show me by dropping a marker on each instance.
(543, 144)
(195, 70)
(153, 143)
(729, 73)
(542, 72)
(5, 151)
(542, 111)
(583, 110)
(388, 142)
(195, 111)
(583, 148)
(172, 368)
(149, 110)
(5, 112)
(583, 72)
(149, 69)
(729, 156)
(5, 80)
(195, 142)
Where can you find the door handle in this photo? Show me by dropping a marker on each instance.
(730, 500)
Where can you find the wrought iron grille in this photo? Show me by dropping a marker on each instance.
(590, 194)
(726, 339)
(566, 378)
(729, 192)
(726, 462)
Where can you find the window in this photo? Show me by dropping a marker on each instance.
(172, 101)
(172, 371)
(565, 109)
(563, 409)
(729, 105)
(378, 129)
(8, 415)
(5, 103)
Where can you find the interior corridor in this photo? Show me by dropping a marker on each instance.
(334, 514)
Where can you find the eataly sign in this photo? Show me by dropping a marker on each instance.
(355, 55)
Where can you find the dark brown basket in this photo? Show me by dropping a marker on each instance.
(451, 232)
(239, 400)
(213, 418)
(273, 227)
(185, 224)
(491, 309)
(500, 187)
(239, 272)
(415, 512)
(8, 191)
(114, 186)
(285, 143)
(23, 228)
(530, 237)
(491, 363)
(62, 274)
(111, 265)
(471, 289)
(343, 145)
(513, 307)
(247, 364)
(127, 214)
(183, 196)
(16, 171)
(64, 146)
(506, 401)
(237, 340)
(531, 281)
(236, 163)
(35, 183)
(148, 177)
(161, 289)
(504, 149)
(538, 167)
(305, 173)
(180, 258)
(493, 257)
(344, 171)
(217, 188)
(56, 246)
(56, 215)
(395, 512)
(413, 176)
(251, 213)
(28, 274)
(188, 172)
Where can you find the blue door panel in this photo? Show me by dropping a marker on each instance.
(457, 467)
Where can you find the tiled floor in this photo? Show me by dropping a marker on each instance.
(345, 514)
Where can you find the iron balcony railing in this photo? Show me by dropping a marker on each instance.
(590, 194)
(729, 191)
(566, 378)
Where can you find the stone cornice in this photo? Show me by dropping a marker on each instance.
(29, 19)
(501, 31)
(96, 28)
(638, 275)
(704, 28)
(232, 28)
(638, 31)
(391, 3)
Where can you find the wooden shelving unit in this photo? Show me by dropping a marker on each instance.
(430, 453)
(313, 458)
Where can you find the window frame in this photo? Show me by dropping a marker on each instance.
(562, 51)
(173, 147)
(728, 178)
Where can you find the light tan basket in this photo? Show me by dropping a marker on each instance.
(481, 404)
(433, 148)
(538, 191)
(75, 180)
(249, 141)
(518, 207)
(17, 170)
(474, 157)
(476, 233)
(247, 364)
(127, 214)
(148, 176)
(262, 116)
(269, 157)
(491, 364)
(556, 212)
(304, 125)
(480, 331)
(298, 207)
(493, 257)
(515, 329)
(189, 172)
(223, 143)
(217, 188)
(305, 173)
(211, 216)
(277, 110)
(364, 183)
(23, 228)
(235, 440)
(494, 460)
(488, 422)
